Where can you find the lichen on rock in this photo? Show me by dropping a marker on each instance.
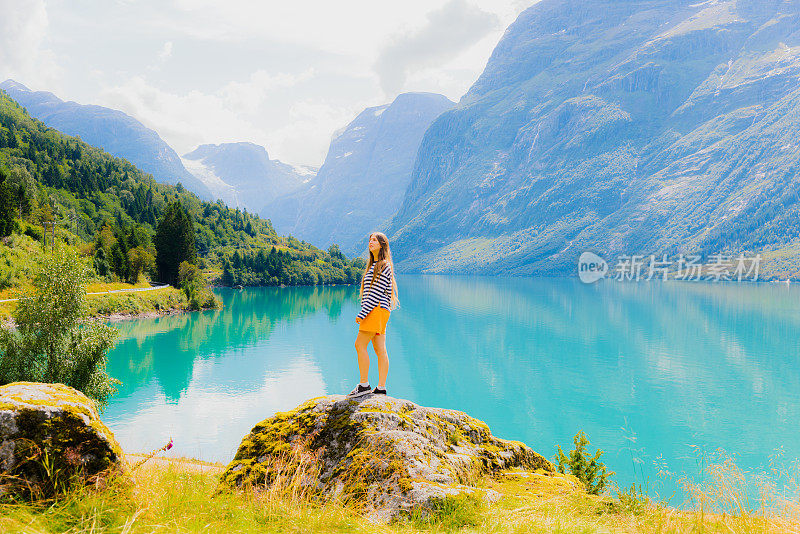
(387, 455)
(51, 437)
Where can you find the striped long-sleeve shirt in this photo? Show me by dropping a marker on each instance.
(380, 294)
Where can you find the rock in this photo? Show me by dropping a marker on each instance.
(50, 437)
(387, 455)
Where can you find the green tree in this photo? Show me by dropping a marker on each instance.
(588, 470)
(23, 187)
(174, 243)
(7, 201)
(55, 341)
(195, 286)
(100, 260)
(140, 260)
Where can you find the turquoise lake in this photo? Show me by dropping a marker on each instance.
(659, 375)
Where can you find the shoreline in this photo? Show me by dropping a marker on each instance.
(152, 314)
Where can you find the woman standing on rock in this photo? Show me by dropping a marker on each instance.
(378, 297)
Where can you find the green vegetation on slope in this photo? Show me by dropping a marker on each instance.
(49, 177)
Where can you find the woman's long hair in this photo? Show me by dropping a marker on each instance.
(384, 258)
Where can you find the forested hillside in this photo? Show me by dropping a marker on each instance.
(112, 130)
(108, 202)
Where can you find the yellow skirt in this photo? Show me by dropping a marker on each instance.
(375, 321)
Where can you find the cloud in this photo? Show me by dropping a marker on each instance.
(165, 52)
(281, 74)
(23, 35)
(238, 111)
(448, 31)
(250, 95)
(184, 120)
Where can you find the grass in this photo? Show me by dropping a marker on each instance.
(137, 302)
(97, 287)
(133, 303)
(17, 263)
(180, 495)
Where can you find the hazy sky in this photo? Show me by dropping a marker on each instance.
(284, 74)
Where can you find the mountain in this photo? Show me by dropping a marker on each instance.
(621, 127)
(108, 202)
(115, 132)
(242, 175)
(361, 183)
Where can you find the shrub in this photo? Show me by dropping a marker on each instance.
(588, 470)
(631, 501)
(55, 341)
(34, 232)
(451, 512)
(195, 286)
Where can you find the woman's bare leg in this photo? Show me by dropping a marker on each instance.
(379, 344)
(362, 342)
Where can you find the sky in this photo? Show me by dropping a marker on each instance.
(283, 74)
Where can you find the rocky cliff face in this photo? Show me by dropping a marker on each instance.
(243, 176)
(115, 132)
(622, 127)
(365, 174)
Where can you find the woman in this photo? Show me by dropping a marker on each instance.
(378, 297)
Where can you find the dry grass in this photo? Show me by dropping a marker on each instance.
(180, 495)
(97, 287)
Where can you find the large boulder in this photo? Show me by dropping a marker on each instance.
(387, 455)
(50, 438)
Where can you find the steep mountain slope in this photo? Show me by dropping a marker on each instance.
(243, 176)
(115, 132)
(623, 127)
(365, 174)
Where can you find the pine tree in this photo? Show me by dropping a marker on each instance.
(174, 242)
(7, 211)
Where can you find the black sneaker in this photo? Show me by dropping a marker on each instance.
(359, 391)
(378, 391)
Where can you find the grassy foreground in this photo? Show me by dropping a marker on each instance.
(177, 495)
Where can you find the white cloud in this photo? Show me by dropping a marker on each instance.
(24, 55)
(449, 31)
(166, 52)
(282, 74)
(311, 124)
(350, 27)
(250, 95)
(231, 115)
(185, 120)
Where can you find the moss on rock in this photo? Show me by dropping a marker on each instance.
(51, 437)
(387, 455)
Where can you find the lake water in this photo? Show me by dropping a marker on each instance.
(658, 374)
